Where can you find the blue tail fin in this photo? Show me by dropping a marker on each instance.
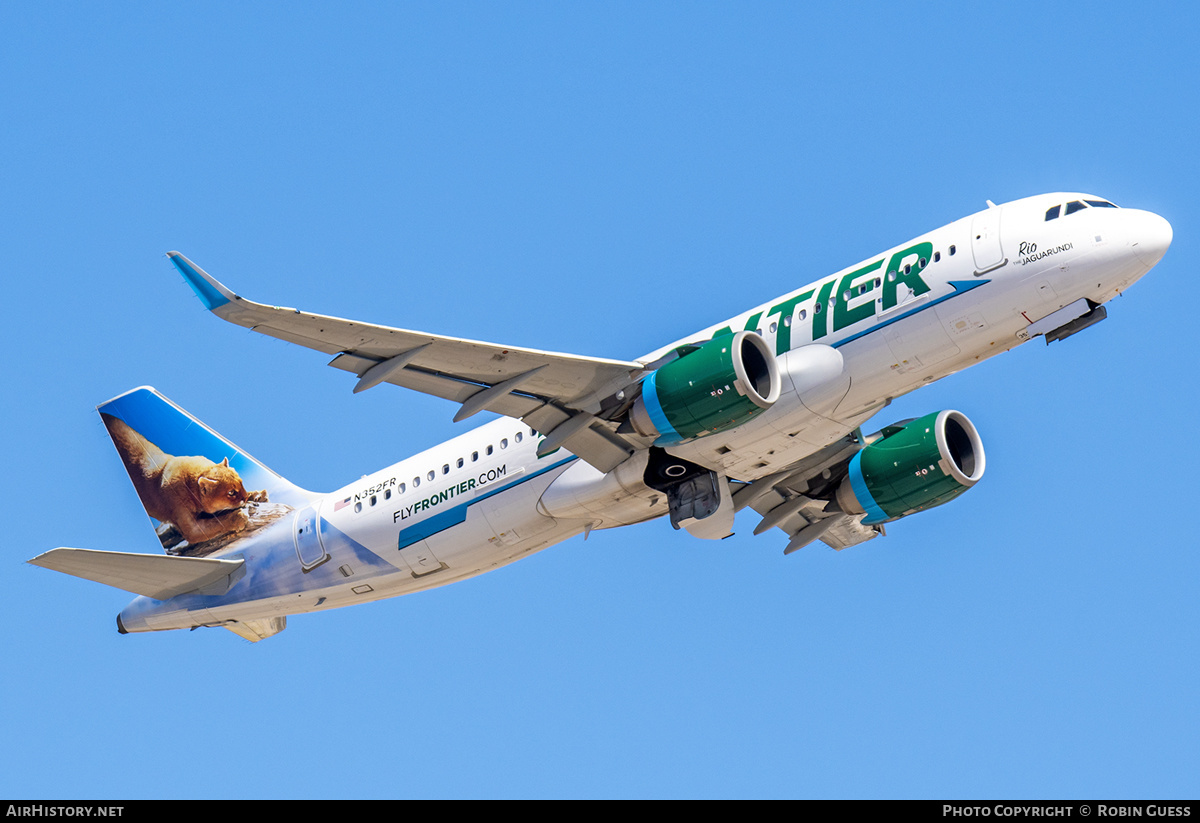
(201, 491)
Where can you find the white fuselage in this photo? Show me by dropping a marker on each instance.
(900, 319)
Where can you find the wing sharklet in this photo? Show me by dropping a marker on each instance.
(210, 291)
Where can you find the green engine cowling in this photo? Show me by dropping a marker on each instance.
(712, 388)
(922, 464)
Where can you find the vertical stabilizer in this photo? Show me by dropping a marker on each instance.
(201, 491)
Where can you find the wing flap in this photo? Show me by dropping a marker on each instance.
(849, 531)
(596, 444)
(782, 500)
(153, 575)
(806, 524)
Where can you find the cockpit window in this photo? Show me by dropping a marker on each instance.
(1075, 205)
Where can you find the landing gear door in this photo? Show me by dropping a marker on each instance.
(703, 506)
(307, 532)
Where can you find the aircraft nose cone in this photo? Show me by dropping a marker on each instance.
(1150, 237)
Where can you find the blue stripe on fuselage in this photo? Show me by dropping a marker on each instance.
(458, 514)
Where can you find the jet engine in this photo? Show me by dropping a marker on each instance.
(913, 466)
(709, 388)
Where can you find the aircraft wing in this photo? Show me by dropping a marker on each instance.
(559, 395)
(785, 500)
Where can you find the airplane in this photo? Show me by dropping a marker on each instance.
(762, 412)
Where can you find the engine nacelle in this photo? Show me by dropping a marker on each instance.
(713, 388)
(922, 464)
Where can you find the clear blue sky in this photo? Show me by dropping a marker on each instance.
(600, 179)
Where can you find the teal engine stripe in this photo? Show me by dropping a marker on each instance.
(658, 417)
(865, 499)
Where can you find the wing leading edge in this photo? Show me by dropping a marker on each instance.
(560, 395)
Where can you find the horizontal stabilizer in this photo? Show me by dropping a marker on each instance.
(153, 575)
